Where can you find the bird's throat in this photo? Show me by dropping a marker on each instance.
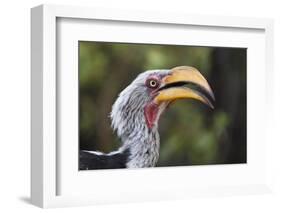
(151, 114)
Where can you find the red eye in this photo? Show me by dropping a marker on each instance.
(152, 83)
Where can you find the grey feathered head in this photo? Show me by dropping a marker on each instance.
(139, 106)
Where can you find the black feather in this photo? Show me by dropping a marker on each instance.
(89, 161)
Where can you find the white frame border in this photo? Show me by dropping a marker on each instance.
(43, 90)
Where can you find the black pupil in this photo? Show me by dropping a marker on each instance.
(153, 83)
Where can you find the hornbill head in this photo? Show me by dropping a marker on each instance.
(136, 111)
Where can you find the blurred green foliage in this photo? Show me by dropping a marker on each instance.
(190, 132)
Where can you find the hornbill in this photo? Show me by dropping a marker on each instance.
(136, 112)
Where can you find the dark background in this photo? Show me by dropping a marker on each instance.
(190, 132)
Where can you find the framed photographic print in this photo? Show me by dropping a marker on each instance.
(130, 106)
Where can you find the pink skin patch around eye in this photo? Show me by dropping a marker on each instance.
(150, 112)
(151, 109)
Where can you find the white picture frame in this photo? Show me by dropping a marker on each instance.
(45, 178)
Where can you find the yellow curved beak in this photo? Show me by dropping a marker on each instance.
(176, 86)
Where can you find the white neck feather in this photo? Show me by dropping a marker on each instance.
(143, 149)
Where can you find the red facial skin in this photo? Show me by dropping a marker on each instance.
(150, 112)
(151, 109)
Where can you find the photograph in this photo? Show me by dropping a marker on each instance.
(161, 105)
